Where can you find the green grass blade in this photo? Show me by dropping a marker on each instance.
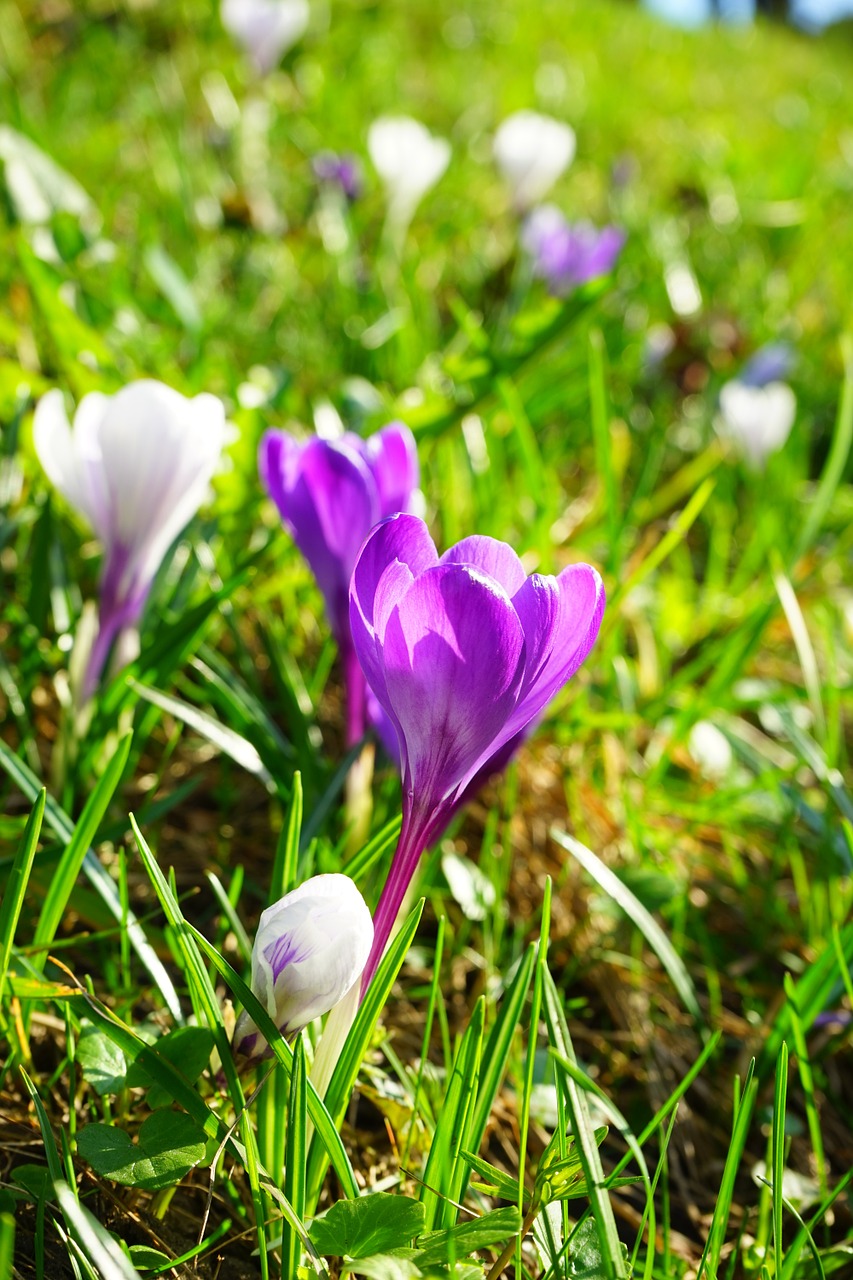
(600, 415)
(710, 1260)
(296, 1155)
(634, 910)
(65, 876)
(61, 825)
(584, 1131)
(804, 1068)
(98, 1246)
(833, 472)
(16, 885)
(346, 1069)
(220, 736)
(286, 862)
(7, 1242)
(320, 1118)
(54, 1167)
(445, 1166)
(778, 1152)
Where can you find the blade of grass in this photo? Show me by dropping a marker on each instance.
(837, 460)
(16, 885)
(65, 877)
(343, 1078)
(778, 1151)
(635, 911)
(60, 823)
(804, 1068)
(296, 1155)
(744, 1107)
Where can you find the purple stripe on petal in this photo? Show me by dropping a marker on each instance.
(497, 559)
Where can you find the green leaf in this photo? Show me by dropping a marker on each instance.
(584, 1259)
(372, 1224)
(98, 1247)
(144, 1258)
(187, 1048)
(492, 1180)
(102, 1062)
(169, 1144)
(384, 1266)
(479, 1233)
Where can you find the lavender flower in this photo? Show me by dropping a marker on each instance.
(463, 652)
(137, 466)
(330, 494)
(757, 420)
(341, 172)
(566, 255)
(266, 29)
(531, 151)
(309, 951)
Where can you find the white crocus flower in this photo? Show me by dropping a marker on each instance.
(266, 29)
(137, 466)
(408, 159)
(309, 952)
(757, 419)
(531, 151)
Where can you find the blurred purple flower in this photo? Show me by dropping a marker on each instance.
(309, 951)
(566, 254)
(330, 494)
(342, 172)
(770, 363)
(463, 651)
(137, 465)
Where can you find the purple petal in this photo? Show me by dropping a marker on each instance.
(575, 627)
(491, 557)
(454, 657)
(392, 457)
(327, 498)
(396, 550)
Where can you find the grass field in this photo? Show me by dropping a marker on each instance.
(614, 1034)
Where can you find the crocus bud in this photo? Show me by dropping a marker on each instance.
(408, 159)
(566, 254)
(531, 151)
(266, 29)
(137, 466)
(310, 950)
(757, 419)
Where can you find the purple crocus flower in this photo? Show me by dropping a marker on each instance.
(463, 651)
(566, 254)
(342, 172)
(330, 494)
(137, 466)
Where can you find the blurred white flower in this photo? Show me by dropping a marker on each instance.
(137, 466)
(757, 419)
(531, 151)
(265, 29)
(309, 951)
(408, 159)
(710, 748)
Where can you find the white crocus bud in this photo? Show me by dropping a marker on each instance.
(265, 29)
(757, 419)
(408, 159)
(531, 151)
(309, 952)
(137, 466)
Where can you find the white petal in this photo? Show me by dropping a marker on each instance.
(531, 151)
(266, 29)
(408, 159)
(757, 419)
(323, 932)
